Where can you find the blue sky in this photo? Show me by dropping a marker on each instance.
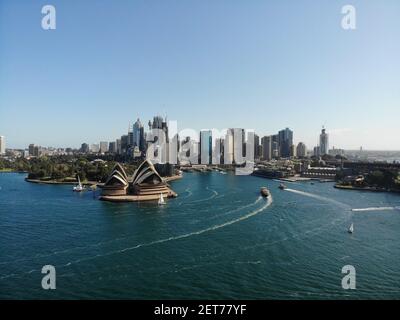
(262, 65)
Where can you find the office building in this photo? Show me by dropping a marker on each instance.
(205, 147)
(266, 143)
(301, 150)
(285, 141)
(324, 142)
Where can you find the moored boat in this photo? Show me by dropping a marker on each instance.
(79, 187)
(282, 186)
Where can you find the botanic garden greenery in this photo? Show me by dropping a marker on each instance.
(65, 167)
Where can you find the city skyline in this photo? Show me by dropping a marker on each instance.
(263, 66)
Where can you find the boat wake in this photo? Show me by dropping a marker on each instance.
(237, 209)
(212, 228)
(376, 209)
(312, 195)
(215, 193)
(183, 236)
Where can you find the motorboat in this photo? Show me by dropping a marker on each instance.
(282, 186)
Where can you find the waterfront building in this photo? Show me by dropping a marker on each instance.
(285, 141)
(323, 142)
(266, 143)
(205, 147)
(301, 150)
(145, 184)
(103, 146)
(116, 183)
(2, 145)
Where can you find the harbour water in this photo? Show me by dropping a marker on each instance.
(218, 240)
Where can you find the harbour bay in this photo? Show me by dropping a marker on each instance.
(217, 240)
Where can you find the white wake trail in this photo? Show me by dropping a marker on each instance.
(212, 228)
(215, 227)
(311, 195)
(376, 209)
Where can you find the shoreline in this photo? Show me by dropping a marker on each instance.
(87, 183)
(55, 182)
(370, 189)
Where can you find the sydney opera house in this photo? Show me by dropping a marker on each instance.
(145, 185)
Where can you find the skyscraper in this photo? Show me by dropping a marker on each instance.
(228, 147)
(275, 146)
(205, 147)
(112, 147)
(323, 142)
(301, 150)
(256, 146)
(2, 145)
(266, 143)
(285, 138)
(137, 131)
(103, 146)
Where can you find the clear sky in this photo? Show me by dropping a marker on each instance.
(262, 65)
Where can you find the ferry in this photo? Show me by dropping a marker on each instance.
(265, 192)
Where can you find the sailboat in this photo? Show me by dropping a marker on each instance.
(161, 201)
(79, 187)
(351, 229)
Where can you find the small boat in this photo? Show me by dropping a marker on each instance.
(79, 187)
(265, 192)
(161, 201)
(282, 186)
(351, 228)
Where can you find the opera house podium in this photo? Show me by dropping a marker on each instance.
(145, 185)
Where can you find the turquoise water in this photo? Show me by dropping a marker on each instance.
(217, 240)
